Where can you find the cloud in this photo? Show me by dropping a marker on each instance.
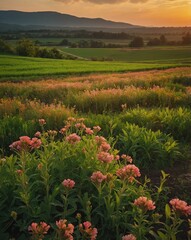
(102, 1)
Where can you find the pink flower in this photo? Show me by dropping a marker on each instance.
(127, 158)
(19, 172)
(96, 129)
(80, 126)
(87, 231)
(89, 131)
(100, 140)
(73, 138)
(37, 134)
(129, 237)
(105, 157)
(63, 130)
(98, 177)
(26, 144)
(128, 172)
(117, 157)
(68, 183)
(35, 143)
(65, 230)
(42, 121)
(38, 230)
(105, 147)
(144, 203)
(181, 206)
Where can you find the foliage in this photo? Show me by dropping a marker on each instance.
(66, 179)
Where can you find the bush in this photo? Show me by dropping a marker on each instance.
(149, 149)
(137, 42)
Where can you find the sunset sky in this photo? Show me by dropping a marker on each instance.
(140, 12)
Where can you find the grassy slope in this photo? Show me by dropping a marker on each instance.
(16, 67)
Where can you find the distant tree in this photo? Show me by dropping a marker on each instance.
(163, 40)
(5, 47)
(64, 42)
(26, 47)
(154, 42)
(186, 39)
(137, 42)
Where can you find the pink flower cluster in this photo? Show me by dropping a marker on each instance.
(105, 157)
(129, 237)
(98, 177)
(96, 129)
(87, 230)
(144, 203)
(105, 147)
(80, 126)
(65, 230)
(68, 183)
(127, 158)
(89, 131)
(128, 172)
(73, 138)
(181, 206)
(38, 230)
(100, 140)
(26, 144)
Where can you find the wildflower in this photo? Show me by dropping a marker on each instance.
(105, 157)
(65, 230)
(87, 231)
(26, 144)
(63, 130)
(19, 172)
(80, 126)
(127, 158)
(100, 140)
(38, 230)
(73, 138)
(96, 129)
(52, 133)
(128, 172)
(35, 143)
(39, 166)
(129, 237)
(124, 106)
(68, 183)
(117, 157)
(105, 147)
(71, 119)
(37, 134)
(89, 131)
(181, 206)
(98, 177)
(42, 121)
(144, 203)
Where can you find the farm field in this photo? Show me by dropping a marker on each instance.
(78, 139)
(19, 67)
(144, 55)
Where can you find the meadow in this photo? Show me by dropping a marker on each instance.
(19, 67)
(77, 141)
(175, 54)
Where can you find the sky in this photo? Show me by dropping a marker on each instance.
(138, 12)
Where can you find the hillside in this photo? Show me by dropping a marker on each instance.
(56, 20)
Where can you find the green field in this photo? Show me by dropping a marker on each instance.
(146, 55)
(16, 67)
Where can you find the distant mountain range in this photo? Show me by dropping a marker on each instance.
(40, 20)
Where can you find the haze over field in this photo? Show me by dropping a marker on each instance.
(137, 12)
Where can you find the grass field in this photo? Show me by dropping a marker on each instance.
(145, 55)
(18, 67)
